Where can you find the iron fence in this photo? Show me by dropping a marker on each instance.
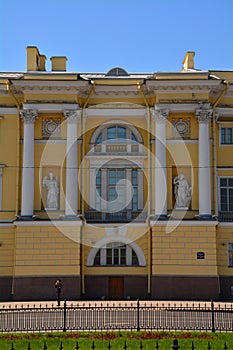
(135, 316)
(174, 346)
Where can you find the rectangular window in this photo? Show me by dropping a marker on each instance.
(226, 136)
(230, 254)
(226, 194)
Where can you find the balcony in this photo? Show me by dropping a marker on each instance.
(117, 148)
(225, 216)
(120, 216)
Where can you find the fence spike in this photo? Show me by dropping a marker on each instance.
(225, 346)
(29, 346)
(175, 345)
(109, 346)
(141, 346)
(125, 346)
(61, 346)
(93, 345)
(192, 346)
(209, 346)
(76, 346)
(12, 347)
(156, 345)
(45, 346)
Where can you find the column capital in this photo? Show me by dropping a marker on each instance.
(204, 113)
(160, 115)
(29, 115)
(72, 116)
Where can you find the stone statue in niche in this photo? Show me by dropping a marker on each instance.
(51, 184)
(182, 191)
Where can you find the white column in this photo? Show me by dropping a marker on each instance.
(129, 193)
(93, 188)
(140, 189)
(27, 206)
(71, 204)
(204, 115)
(160, 116)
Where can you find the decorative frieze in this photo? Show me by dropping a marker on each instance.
(51, 127)
(181, 127)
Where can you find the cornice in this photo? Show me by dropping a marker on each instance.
(57, 87)
(185, 86)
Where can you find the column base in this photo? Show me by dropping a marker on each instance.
(205, 217)
(161, 217)
(70, 218)
(26, 217)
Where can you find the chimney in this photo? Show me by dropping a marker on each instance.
(58, 63)
(188, 62)
(42, 62)
(35, 61)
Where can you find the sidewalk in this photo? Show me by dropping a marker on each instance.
(50, 304)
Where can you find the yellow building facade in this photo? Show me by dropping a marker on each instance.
(120, 184)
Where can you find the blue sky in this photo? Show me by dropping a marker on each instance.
(137, 35)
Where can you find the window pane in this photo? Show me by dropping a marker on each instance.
(116, 256)
(120, 175)
(134, 258)
(230, 182)
(223, 135)
(111, 133)
(121, 133)
(229, 135)
(133, 138)
(99, 138)
(112, 177)
(231, 200)
(223, 195)
(230, 254)
(123, 255)
(97, 258)
(109, 256)
(112, 194)
(98, 178)
(134, 177)
(223, 182)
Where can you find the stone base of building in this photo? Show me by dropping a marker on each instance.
(226, 287)
(185, 288)
(116, 287)
(39, 288)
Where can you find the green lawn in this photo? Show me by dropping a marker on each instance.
(117, 340)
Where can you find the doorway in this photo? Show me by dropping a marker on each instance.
(116, 288)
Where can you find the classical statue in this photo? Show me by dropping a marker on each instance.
(52, 191)
(182, 191)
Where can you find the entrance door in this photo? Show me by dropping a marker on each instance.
(116, 288)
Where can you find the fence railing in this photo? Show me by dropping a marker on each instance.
(111, 317)
(174, 345)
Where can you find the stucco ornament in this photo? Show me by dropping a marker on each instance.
(51, 185)
(182, 191)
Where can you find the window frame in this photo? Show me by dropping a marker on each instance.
(219, 194)
(107, 255)
(225, 137)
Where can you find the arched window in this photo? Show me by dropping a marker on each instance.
(115, 139)
(116, 253)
